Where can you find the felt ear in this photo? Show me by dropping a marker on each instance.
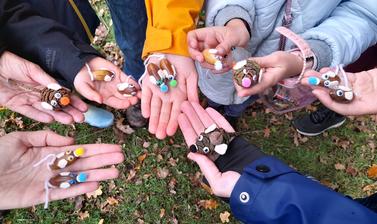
(54, 86)
(210, 129)
(221, 149)
(47, 106)
(348, 95)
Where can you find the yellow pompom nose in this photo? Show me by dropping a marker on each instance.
(79, 152)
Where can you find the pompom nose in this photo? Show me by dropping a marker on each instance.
(64, 101)
(193, 148)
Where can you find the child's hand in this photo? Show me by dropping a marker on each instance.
(102, 91)
(364, 85)
(221, 38)
(276, 67)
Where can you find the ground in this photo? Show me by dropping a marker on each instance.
(159, 185)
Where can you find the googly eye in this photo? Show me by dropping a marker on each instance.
(53, 103)
(58, 95)
(325, 76)
(131, 86)
(326, 83)
(68, 152)
(339, 92)
(206, 150)
(200, 138)
(70, 158)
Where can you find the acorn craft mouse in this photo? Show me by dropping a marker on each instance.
(53, 97)
(213, 142)
(337, 82)
(162, 75)
(247, 73)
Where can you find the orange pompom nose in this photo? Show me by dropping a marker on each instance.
(65, 101)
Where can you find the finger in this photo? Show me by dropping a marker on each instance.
(155, 114)
(87, 90)
(117, 103)
(33, 113)
(193, 117)
(203, 115)
(91, 149)
(78, 103)
(75, 190)
(207, 167)
(146, 97)
(44, 138)
(164, 120)
(225, 47)
(257, 89)
(326, 100)
(101, 174)
(77, 115)
(187, 130)
(220, 120)
(39, 76)
(173, 121)
(324, 70)
(96, 161)
(59, 116)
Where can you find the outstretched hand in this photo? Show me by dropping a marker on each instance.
(28, 103)
(163, 109)
(193, 121)
(364, 85)
(22, 185)
(102, 91)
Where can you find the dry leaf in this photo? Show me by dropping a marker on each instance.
(83, 215)
(101, 221)
(78, 202)
(146, 144)
(162, 173)
(141, 158)
(206, 188)
(209, 204)
(131, 175)
(112, 201)
(224, 217)
(370, 189)
(266, 132)
(125, 128)
(162, 212)
(339, 166)
(351, 170)
(95, 193)
(372, 172)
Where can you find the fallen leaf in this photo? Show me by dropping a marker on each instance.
(101, 221)
(125, 128)
(339, 166)
(141, 158)
(78, 202)
(370, 189)
(162, 212)
(140, 221)
(209, 204)
(172, 162)
(162, 173)
(224, 217)
(131, 175)
(372, 172)
(266, 132)
(83, 215)
(146, 144)
(95, 193)
(206, 188)
(112, 201)
(351, 171)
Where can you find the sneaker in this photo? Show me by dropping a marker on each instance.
(318, 122)
(369, 202)
(98, 117)
(135, 118)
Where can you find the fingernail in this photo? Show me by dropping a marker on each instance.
(189, 156)
(314, 81)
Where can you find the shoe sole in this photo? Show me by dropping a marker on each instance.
(315, 134)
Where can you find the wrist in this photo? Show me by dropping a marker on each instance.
(241, 28)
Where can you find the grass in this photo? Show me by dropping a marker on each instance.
(142, 196)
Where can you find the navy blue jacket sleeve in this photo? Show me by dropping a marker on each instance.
(43, 41)
(269, 191)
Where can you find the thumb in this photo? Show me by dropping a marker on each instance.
(44, 138)
(325, 99)
(37, 74)
(208, 168)
(264, 62)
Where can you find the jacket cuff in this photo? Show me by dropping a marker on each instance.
(255, 176)
(2, 46)
(322, 52)
(232, 12)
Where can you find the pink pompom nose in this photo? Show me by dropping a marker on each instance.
(246, 82)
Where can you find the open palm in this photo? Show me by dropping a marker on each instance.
(22, 185)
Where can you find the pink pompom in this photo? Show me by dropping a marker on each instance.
(246, 82)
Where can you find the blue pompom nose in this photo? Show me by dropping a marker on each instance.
(313, 81)
(164, 88)
(82, 177)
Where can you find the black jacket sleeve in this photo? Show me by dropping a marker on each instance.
(43, 41)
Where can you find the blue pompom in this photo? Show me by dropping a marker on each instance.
(313, 81)
(164, 88)
(82, 177)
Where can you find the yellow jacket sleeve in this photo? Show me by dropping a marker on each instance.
(169, 21)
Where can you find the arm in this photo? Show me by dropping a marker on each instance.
(349, 31)
(44, 41)
(169, 21)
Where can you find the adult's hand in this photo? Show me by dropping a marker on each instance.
(22, 184)
(101, 91)
(28, 103)
(364, 85)
(163, 109)
(193, 121)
